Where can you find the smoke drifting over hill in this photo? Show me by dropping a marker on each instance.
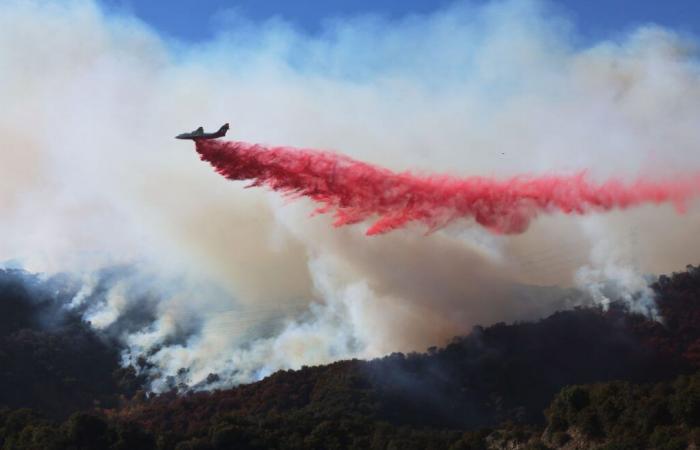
(213, 278)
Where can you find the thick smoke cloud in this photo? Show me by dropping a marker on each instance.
(240, 283)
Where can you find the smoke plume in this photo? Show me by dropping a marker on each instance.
(198, 276)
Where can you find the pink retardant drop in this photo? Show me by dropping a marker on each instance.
(354, 191)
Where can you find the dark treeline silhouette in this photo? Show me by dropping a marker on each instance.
(488, 389)
(50, 360)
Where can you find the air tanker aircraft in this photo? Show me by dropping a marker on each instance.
(200, 135)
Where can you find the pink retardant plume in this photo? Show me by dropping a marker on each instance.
(354, 191)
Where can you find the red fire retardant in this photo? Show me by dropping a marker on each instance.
(354, 191)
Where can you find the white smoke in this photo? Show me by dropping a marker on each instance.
(238, 282)
(613, 273)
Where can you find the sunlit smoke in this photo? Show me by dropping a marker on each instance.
(212, 278)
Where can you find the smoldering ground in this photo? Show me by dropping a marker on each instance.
(240, 283)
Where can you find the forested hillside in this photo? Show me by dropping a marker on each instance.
(576, 379)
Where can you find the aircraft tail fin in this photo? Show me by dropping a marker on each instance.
(224, 128)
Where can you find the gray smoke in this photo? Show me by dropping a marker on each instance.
(211, 278)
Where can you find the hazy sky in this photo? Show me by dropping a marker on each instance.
(192, 20)
(242, 282)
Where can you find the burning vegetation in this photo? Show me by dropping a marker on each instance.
(582, 377)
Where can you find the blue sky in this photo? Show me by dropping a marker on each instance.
(192, 20)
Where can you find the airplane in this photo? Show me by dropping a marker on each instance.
(200, 135)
